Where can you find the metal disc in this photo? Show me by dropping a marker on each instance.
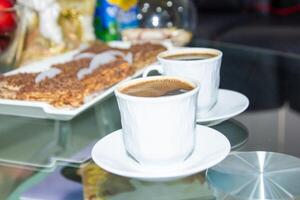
(256, 175)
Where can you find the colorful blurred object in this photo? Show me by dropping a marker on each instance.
(8, 17)
(8, 23)
(123, 4)
(112, 16)
(44, 29)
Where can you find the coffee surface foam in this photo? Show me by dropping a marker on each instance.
(190, 56)
(157, 88)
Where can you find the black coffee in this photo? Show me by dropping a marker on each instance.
(190, 56)
(157, 88)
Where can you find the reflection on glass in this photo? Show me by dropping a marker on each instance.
(42, 143)
(235, 132)
(99, 184)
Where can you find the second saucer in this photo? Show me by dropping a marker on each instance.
(229, 104)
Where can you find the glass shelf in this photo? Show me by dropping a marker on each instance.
(41, 143)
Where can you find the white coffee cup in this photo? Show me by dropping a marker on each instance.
(158, 131)
(206, 71)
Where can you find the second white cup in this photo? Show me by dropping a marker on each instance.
(206, 71)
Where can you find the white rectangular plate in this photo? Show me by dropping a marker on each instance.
(44, 110)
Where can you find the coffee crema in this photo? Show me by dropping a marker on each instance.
(157, 88)
(190, 56)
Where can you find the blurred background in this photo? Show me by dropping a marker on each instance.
(33, 30)
(271, 24)
(260, 38)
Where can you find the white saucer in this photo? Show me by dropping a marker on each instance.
(229, 104)
(211, 147)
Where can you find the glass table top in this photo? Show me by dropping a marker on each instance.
(38, 152)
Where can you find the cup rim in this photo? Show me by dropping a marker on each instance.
(157, 99)
(190, 49)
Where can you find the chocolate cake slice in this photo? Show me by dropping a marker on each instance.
(68, 84)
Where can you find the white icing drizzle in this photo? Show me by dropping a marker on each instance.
(50, 73)
(128, 58)
(83, 72)
(102, 59)
(84, 55)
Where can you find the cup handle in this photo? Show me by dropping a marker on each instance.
(157, 68)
